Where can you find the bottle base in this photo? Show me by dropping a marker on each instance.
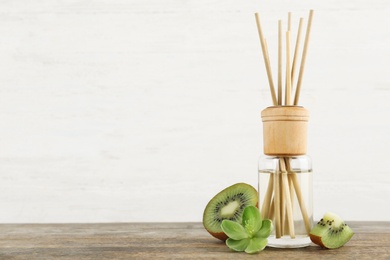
(288, 242)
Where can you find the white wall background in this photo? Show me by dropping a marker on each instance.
(143, 110)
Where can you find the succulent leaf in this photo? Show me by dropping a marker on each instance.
(237, 245)
(266, 229)
(251, 220)
(233, 230)
(256, 244)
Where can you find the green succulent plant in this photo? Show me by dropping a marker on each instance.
(252, 235)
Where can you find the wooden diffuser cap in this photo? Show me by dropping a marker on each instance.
(285, 130)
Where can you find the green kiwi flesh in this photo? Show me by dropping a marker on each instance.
(331, 232)
(228, 204)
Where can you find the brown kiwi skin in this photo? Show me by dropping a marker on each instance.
(317, 240)
(220, 235)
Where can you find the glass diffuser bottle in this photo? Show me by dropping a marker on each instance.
(285, 176)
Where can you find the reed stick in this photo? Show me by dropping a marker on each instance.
(303, 60)
(282, 199)
(288, 71)
(288, 75)
(280, 64)
(278, 229)
(301, 202)
(296, 53)
(266, 60)
(272, 209)
(267, 198)
(290, 218)
(277, 201)
(291, 186)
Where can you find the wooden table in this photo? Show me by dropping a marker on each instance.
(166, 241)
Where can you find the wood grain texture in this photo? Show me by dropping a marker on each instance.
(166, 241)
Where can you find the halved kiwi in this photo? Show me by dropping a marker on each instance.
(331, 232)
(228, 204)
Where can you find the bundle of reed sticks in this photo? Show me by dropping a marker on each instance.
(284, 186)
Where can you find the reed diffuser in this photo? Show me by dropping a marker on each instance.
(285, 172)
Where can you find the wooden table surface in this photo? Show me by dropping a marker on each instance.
(166, 241)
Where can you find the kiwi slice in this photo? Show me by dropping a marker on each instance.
(228, 204)
(331, 232)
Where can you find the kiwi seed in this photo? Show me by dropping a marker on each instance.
(228, 204)
(331, 232)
